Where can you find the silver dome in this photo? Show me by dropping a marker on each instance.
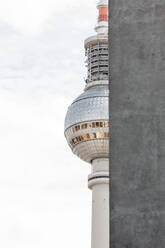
(91, 105)
(87, 124)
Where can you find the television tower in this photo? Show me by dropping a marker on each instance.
(87, 126)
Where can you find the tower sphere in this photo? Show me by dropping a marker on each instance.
(86, 124)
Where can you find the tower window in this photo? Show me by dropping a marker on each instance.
(93, 124)
(97, 124)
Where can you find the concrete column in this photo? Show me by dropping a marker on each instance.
(98, 182)
(137, 123)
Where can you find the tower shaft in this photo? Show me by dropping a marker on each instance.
(98, 181)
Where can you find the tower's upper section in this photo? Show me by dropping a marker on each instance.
(87, 120)
(96, 49)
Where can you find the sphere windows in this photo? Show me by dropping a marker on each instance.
(89, 136)
(99, 135)
(76, 128)
(84, 126)
(106, 135)
(106, 124)
(93, 124)
(93, 135)
(97, 124)
(84, 137)
(90, 125)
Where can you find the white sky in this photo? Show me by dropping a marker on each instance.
(44, 200)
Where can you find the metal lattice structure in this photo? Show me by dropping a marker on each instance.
(97, 61)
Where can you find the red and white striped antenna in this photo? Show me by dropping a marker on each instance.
(102, 26)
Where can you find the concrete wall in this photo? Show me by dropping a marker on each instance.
(137, 117)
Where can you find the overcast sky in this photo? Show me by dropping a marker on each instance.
(44, 199)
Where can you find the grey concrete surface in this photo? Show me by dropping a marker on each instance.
(137, 117)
